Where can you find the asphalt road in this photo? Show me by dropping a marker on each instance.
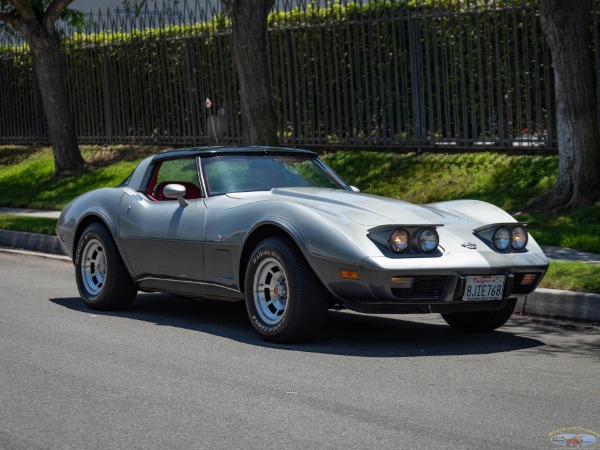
(176, 373)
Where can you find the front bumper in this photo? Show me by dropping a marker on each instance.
(438, 285)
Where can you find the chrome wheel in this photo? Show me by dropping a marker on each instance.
(270, 291)
(93, 266)
(102, 278)
(285, 300)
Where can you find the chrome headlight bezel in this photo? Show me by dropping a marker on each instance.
(406, 241)
(504, 237)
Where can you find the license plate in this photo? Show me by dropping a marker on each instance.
(483, 288)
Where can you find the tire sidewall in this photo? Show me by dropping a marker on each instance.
(269, 249)
(481, 320)
(92, 232)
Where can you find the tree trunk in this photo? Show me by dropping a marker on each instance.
(249, 37)
(49, 66)
(37, 28)
(567, 28)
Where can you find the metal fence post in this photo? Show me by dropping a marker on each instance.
(38, 107)
(191, 91)
(292, 83)
(106, 97)
(417, 81)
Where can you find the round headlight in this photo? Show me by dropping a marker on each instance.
(502, 239)
(399, 240)
(519, 237)
(428, 240)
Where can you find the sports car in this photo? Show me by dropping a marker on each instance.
(281, 231)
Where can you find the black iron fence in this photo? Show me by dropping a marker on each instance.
(413, 75)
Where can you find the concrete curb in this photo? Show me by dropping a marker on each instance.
(35, 242)
(561, 304)
(543, 302)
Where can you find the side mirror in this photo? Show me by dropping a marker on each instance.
(354, 189)
(176, 191)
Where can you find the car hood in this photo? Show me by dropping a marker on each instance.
(363, 209)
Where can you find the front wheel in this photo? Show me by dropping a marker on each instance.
(481, 320)
(102, 278)
(284, 299)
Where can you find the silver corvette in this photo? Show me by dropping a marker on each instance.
(278, 229)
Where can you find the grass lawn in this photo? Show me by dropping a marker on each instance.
(41, 225)
(26, 174)
(505, 180)
(572, 276)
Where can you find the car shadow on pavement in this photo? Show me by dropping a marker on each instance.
(345, 333)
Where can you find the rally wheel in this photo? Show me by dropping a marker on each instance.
(285, 300)
(102, 278)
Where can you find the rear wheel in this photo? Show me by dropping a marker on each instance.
(102, 278)
(481, 320)
(285, 300)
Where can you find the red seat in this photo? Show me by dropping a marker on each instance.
(191, 190)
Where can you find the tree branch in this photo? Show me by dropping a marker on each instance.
(24, 9)
(10, 18)
(56, 8)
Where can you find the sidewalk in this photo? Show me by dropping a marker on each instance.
(543, 302)
(29, 212)
(568, 254)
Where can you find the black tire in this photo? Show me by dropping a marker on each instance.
(285, 300)
(102, 278)
(481, 320)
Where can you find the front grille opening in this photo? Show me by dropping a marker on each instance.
(420, 288)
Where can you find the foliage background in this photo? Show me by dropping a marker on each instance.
(389, 73)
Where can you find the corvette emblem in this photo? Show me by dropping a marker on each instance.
(470, 245)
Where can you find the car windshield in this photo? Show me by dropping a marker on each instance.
(242, 173)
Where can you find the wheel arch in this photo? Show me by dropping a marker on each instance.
(262, 231)
(94, 217)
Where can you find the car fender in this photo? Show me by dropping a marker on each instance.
(99, 205)
(278, 222)
(321, 243)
